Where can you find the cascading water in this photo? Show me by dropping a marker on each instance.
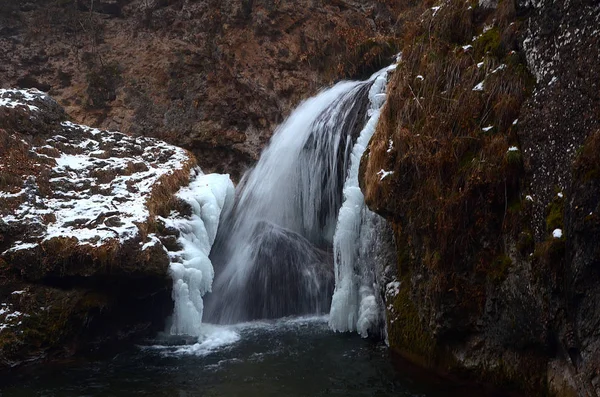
(273, 253)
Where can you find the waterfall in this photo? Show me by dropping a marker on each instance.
(274, 251)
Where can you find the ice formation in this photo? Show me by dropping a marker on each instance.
(356, 304)
(191, 269)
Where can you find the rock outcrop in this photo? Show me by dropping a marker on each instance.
(212, 76)
(84, 231)
(489, 144)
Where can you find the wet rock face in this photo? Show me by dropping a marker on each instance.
(215, 77)
(83, 262)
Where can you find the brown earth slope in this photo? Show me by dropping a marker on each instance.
(214, 77)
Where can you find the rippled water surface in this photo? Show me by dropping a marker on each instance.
(288, 357)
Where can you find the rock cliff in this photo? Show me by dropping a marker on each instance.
(488, 144)
(85, 235)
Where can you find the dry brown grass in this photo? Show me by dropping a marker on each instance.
(452, 181)
(162, 199)
(17, 164)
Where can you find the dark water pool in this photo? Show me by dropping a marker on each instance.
(288, 357)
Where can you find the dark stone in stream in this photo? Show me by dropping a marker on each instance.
(290, 276)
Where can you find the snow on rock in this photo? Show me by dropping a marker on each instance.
(383, 173)
(479, 87)
(392, 289)
(12, 98)
(557, 233)
(91, 185)
(97, 188)
(89, 204)
(9, 317)
(390, 146)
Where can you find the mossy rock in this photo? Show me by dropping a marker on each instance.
(499, 269)
(490, 42)
(406, 332)
(555, 214)
(586, 167)
(50, 323)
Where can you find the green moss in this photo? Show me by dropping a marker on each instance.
(555, 211)
(406, 332)
(525, 242)
(551, 251)
(586, 167)
(514, 158)
(499, 268)
(490, 42)
(591, 175)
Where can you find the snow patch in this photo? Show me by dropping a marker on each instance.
(383, 173)
(392, 289)
(479, 87)
(6, 98)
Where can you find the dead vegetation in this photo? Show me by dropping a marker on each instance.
(445, 132)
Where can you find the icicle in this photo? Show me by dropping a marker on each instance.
(191, 269)
(356, 304)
